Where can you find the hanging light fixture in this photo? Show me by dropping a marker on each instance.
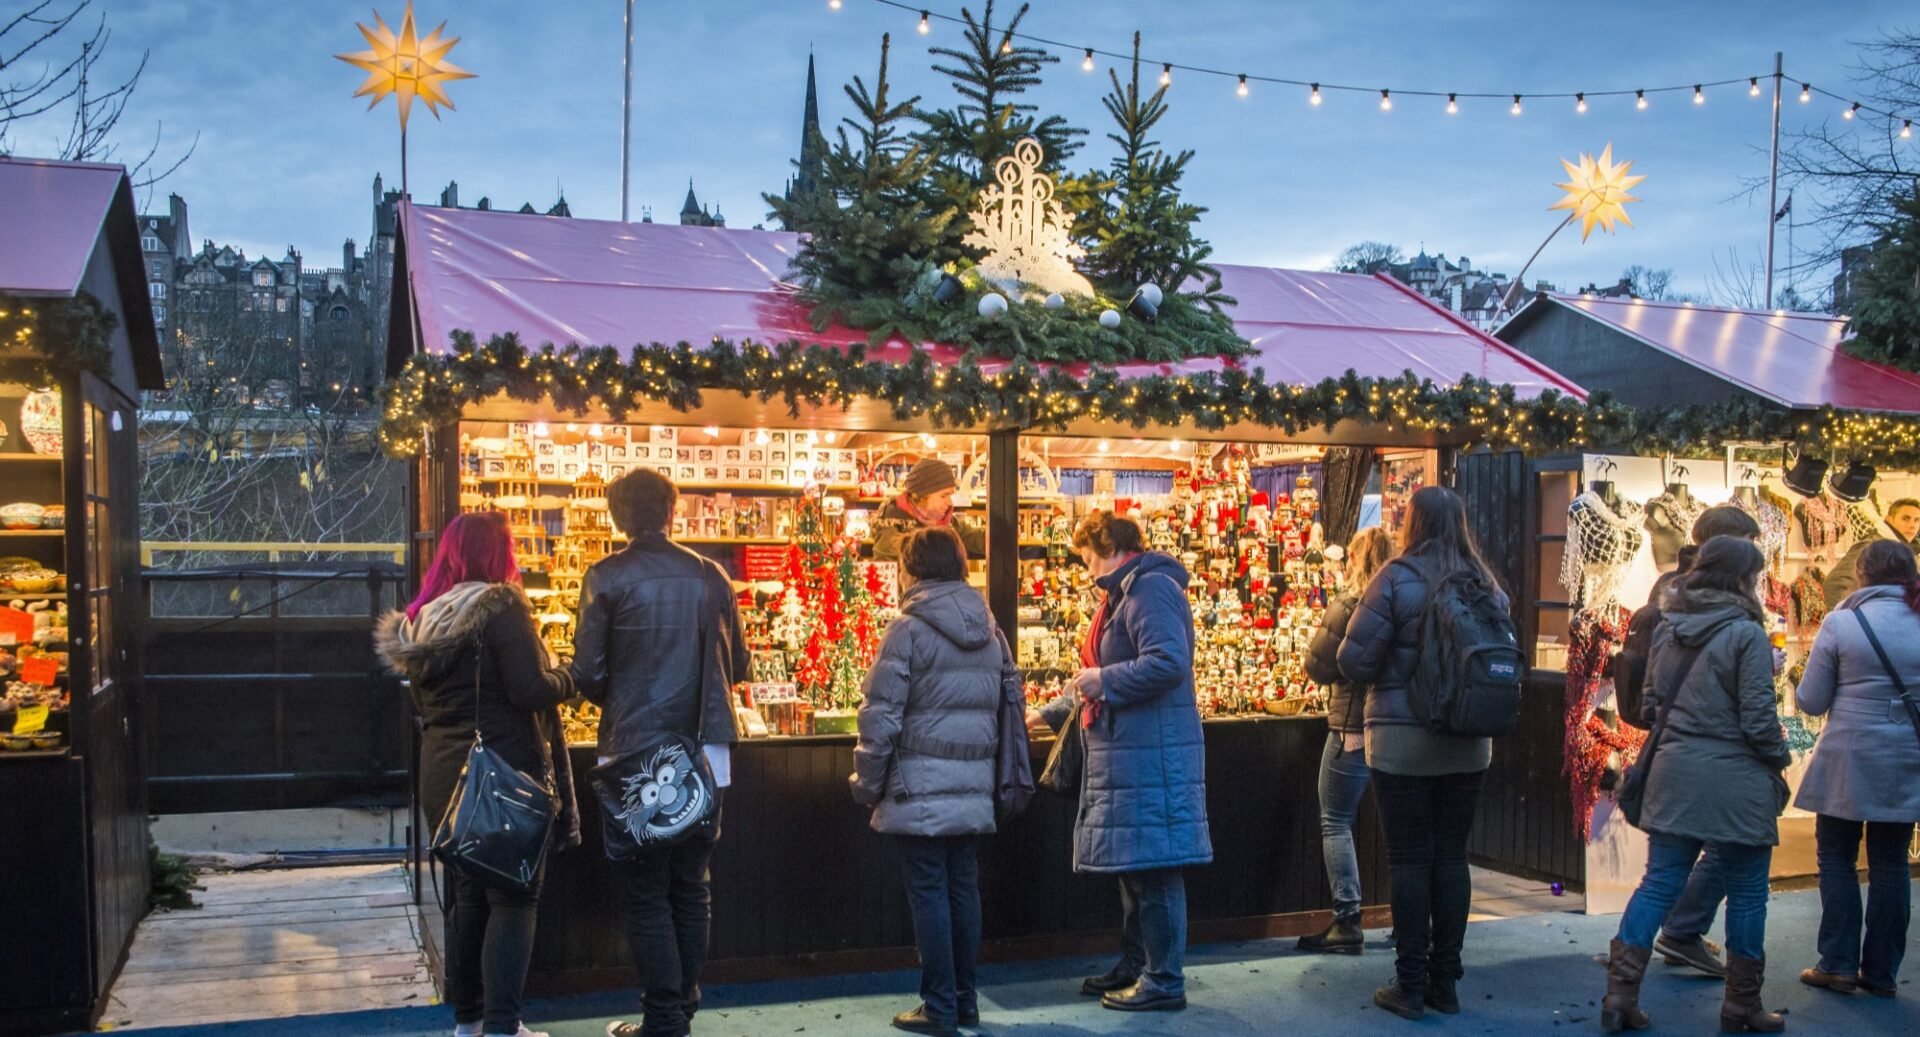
(1386, 101)
(1086, 64)
(1453, 106)
(924, 26)
(1806, 92)
(1848, 114)
(1243, 85)
(1580, 103)
(1699, 96)
(1640, 99)
(1753, 86)
(1314, 98)
(1516, 104)
(1166, 74)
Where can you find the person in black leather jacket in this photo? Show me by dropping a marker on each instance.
(1343, 764)
(658, 648)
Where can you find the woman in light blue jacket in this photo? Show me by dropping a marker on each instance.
(1865, 774)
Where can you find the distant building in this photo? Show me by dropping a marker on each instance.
(1854, 261)
(810, 169)
(1482, 299)
(693, 214)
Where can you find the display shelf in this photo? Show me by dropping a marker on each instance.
(687, 488)
(31, 754)
(18, 455)
(748, 541)
(32, 532)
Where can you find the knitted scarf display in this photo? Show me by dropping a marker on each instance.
(1601, 544)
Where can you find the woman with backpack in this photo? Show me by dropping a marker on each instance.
(1343, 763)
(469, 646)
(1427, 783)
(1713, 777)
(929, 727)
(1865, 774)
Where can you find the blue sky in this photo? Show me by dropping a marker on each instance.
(286, 156)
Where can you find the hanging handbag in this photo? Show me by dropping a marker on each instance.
(657, 793)
(1913, 708)
(1012, 762)
(1632, 792)
(1068, 759)
(497, 823)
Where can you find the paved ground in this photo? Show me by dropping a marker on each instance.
(1526, 975)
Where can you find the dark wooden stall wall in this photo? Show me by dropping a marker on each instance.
(1525, 825)
(1592, 353)
(46, 937)
(802, 884)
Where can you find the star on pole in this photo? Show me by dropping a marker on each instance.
(406, 65)
(1597, 192)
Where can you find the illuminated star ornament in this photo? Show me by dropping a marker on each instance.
(406, 65)
(1597, 192)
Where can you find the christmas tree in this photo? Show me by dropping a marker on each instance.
(1886, 320)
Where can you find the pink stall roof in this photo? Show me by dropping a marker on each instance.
(607, 283)
(51, 215)
(1793, 359)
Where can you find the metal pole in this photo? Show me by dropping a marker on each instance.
(626, 118)
(1773, 178)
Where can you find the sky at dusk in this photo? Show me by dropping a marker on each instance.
(286, 156)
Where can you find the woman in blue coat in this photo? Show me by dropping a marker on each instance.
(1143, 794)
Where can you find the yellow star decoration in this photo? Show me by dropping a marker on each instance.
(406, 65)
(1597, 191)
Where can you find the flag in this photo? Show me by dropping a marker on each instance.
(1785, 210)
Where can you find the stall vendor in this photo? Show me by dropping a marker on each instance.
(925, 499)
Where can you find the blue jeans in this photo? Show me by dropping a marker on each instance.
(1343, 784)
(1153, 928)
(1889, 898)
(943, 892)
(1692, 915)
(1670, 860)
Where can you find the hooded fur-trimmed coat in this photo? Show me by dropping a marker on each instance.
(483, 632)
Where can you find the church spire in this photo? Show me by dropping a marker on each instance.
(691, 207)
(813, 143)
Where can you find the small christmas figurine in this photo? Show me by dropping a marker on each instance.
(1260, 515)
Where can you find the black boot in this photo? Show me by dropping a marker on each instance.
(1341, 937)
(1120, 977)
(1442, 994)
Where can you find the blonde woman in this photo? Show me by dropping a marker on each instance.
(1343, 765)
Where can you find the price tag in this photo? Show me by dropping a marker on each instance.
(40, 669)
(16, 627)
(29, 720)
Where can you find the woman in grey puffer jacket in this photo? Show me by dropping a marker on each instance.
(929, 729)
(1714, 778)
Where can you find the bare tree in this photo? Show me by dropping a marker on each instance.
(49, 71)
(1740, 282)
(1367, 257)
(1648, 283)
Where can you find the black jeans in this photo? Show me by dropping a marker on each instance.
(489, 943)
(943, 891)
(1889, 897)
(1427, 821)
(669, 913)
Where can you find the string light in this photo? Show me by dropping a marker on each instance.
(1516, 104)
(1699, 97)
(1453, 106)
(1580, 103)
(1806, 92)
(1243, 85)
(1640, 99)
(1166, 74)
(1848, 114)
(833, 5)
(1314, 98)
(1386, 101)
(1006, 45)
(925, 28)
(1906, 129)
(1087, 65)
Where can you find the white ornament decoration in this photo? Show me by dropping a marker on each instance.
(1109, 319)
(40, 421)
(993, 306)
(1056, 301)
(1151, 293)
(1026, 235)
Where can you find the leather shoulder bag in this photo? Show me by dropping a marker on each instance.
(497, 823)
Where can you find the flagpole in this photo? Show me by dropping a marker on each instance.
(1773, 179)
(626, 117)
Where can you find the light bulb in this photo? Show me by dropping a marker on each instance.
(1314, 98)
(1753, 86)
(1105, 446)
(1176, 445)
(1166, 74)
(1006, 46)
(1906, 130)
(595, 430)
(833, 5)
(1087, 65)
(924, 27)
(1580, 103)
(1453, 106)
(1640, 99)
(539, 427)
(1806, 92)
(927, 440)
(712, 431)
(1516, 105)
(1386, 101)
(1243, 85)
(761, 438)
(1848, 114)
(1698, 96)
(832, 437)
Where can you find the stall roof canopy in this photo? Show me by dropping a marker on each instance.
(1792, 359)
(607, 283)
(54, 218)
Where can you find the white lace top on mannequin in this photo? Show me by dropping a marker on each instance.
(1601, 543)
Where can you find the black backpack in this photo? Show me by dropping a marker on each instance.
(1470, 666)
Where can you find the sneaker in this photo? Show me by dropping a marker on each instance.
(468, 1029)
(1700, 954)
(622, 1028)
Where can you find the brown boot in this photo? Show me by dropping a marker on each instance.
(1741, 1011)
(1626, 965)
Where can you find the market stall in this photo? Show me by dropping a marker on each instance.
(1764, 411)
(785, 440)
(77, 345)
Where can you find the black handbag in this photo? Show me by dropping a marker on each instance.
(1913, 708)
(1632, 794)
(656, 794)
(1012, 762)
(1067, 762)
(498, 821)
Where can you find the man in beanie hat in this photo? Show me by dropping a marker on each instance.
(925, 499)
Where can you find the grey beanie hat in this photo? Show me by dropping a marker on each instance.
(929, 476)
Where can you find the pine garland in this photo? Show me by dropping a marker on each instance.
(61, 337)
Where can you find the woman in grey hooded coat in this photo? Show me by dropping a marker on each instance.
(929, 729)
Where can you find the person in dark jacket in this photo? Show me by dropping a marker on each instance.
(1683, 937)
(925, 501)
(1426, 784)
(472, 654)
(1343, 763)
(1864, 778)
(1715, 777)
(1143, 793)
(658, 648)
(929, 728)
(1901, 525)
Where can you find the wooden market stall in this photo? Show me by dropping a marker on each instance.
(77, 345)
(1786, 424)
(777, 445)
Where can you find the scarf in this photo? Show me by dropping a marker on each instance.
(1090, 657)
(944, 518)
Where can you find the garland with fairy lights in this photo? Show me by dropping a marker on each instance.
(60, 337)
(433, 390)
(1886, 440)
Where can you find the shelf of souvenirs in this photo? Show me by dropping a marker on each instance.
(23, 456)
